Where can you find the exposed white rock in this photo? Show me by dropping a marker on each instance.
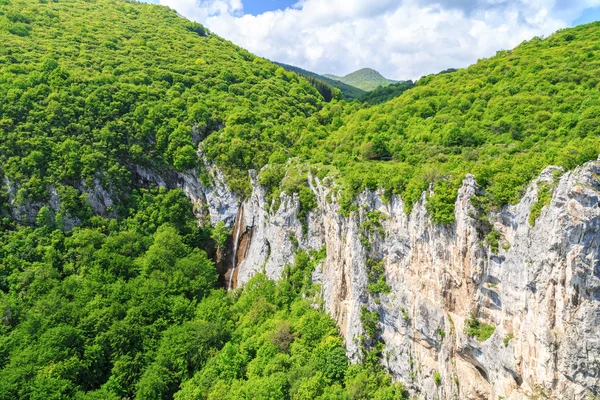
(213, 200)
(541, 291)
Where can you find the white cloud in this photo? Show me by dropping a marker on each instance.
(403, 39)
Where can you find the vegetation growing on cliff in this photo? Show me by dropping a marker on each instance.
(129, 309)
(478, 329)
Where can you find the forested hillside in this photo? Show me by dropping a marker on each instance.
(89, 87)
(126, 304)
(349, 92)
(386, 93)
(503, 119)
(128, 307)
(366, 79)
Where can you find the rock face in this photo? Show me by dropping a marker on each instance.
(538, 287)
(212, 203)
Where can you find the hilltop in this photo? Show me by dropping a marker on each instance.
(366, 79)
(349, 92)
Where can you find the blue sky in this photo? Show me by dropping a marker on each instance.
(256, 7)
(588, 15)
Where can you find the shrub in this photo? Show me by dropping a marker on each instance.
(437, 378)
(477, 329)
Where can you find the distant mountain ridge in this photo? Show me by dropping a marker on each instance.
(366, 79)
(350, 92)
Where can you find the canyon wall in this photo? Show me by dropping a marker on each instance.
(538, 286)
(536, 282)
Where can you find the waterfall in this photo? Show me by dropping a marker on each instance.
(236, 240)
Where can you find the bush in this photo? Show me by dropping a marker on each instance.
(437, 378)
(477, 329)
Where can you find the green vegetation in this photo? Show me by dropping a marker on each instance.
(493, 240)
(437, 378)
(366, 79)
(371, 226)
(507, 339)
(220, 234)
(370, 322)
(477, 329)
(349, 92)
(128, 309)
(97, 86)
(376, 278)
(91, 88)
(441, 333)
(386, 93)
(544, 197)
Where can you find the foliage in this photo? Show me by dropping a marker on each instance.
(507, 339)
(220, 234)
(282, 348)
(437, 378)
(366, 79)
(386, 93)
(503, 119)
(348, 92)
(370, 321)
(376, 278)
(104, 306)
(371, 226)
(91, 87)
(544, 197)
(440, 205)
(121, 309)
(477, 329)
(493, 240)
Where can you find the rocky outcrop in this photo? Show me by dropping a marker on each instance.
(538, 288)
(213, 201)
(536, 283)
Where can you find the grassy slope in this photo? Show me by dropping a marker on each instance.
(365, 79)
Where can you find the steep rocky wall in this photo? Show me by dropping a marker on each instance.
(212, 203)
(541, 291)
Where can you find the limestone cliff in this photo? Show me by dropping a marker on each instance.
(537, 286)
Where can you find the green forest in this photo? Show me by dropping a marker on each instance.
(130, 309)
(129, 306)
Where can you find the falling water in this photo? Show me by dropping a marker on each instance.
(236, 240)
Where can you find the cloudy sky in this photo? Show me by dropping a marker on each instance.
(402, 39)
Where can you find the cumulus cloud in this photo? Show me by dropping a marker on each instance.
(403, 39)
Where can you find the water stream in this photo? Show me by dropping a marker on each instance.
(236, 240)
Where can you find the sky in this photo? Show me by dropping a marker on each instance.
(402, 39)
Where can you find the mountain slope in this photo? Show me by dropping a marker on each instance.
(366, 79)
(386, 93)
(349, 92)
(503, 119)
(108, 289)
(117, 89)
(107, 272)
